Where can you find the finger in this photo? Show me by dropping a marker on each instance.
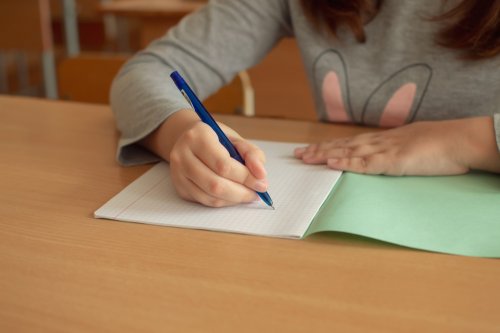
(351, 141)
(189, 191)
(299, 152)
(217, 159)
(325, 145)
(256, 167)
(180, 187)
(254, 158)
(179, 181)
(372, 164)
(321, 156)
(213, 184)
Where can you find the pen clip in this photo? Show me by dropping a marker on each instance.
(187, 98)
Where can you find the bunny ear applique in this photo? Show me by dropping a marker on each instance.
(394, 102)
(330, 72)
(397, 99)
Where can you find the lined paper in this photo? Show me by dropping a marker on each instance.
(298, 191)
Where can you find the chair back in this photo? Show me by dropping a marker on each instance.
(237, 97)
(26, 28)
(25, 25)
(88, 77)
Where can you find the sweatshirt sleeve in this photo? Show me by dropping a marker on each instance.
(208, 47)
(496, 122)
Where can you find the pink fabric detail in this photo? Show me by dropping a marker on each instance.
(398, 108)
(332, 95)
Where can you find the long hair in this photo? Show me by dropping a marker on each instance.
(473, 26)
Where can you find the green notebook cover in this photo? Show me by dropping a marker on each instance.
(450, 214)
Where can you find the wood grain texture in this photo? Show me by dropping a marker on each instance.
(150, 8)
(63, 271)
(25, 25)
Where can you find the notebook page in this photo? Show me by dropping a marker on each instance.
(451, 214)
(297, 189)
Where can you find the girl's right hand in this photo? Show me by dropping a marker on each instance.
(203, 171)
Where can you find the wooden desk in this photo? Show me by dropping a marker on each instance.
(280, 83)
(151, 8)
(155, 16)
(63, 271)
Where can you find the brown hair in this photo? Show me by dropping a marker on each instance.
(473, 26)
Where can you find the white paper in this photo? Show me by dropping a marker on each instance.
(297, 189)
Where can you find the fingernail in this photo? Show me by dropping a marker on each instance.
(333, 160)
(261, 185)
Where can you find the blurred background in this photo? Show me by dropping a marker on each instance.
(71, 50)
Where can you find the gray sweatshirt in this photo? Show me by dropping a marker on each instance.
(399, 75)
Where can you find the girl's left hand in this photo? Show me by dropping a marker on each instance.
(445, 147)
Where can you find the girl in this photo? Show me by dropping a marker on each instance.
(426, 70)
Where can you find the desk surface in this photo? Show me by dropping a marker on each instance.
(61, 270)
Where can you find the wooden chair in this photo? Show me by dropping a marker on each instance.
(88, 78)
(26, 27)
(237, 97)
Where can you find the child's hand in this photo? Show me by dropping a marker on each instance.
(203, 171)
(421, 148)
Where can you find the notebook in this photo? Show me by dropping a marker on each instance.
(454, 214)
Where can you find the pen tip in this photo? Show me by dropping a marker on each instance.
(272, 206)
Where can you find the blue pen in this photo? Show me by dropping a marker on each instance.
(207, 119)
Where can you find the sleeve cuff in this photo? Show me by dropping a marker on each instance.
(130, 153)
(134, 154)
(496, 123)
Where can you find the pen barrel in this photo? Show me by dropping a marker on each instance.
(207, 118)
(224, 140)
(204, 115)
(266, 198)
